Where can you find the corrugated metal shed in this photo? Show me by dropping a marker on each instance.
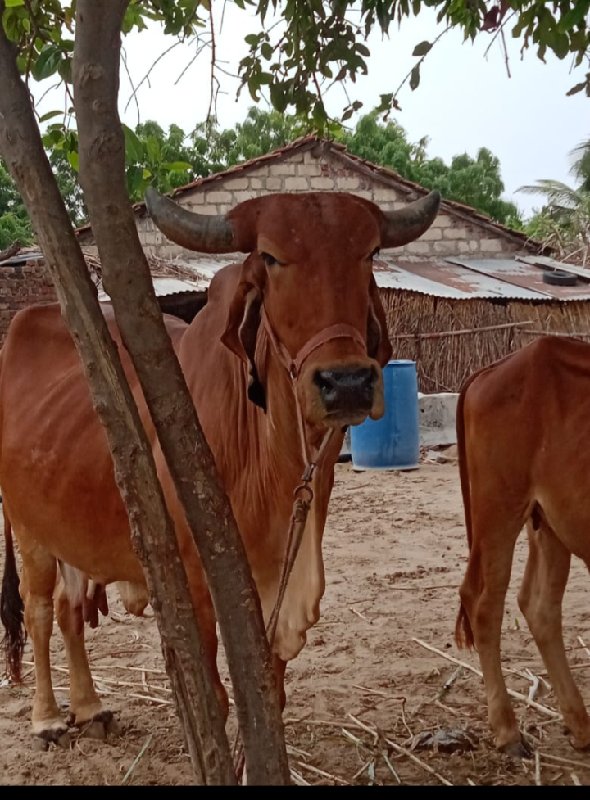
(466, 279)
(456, 278)
(518, 278)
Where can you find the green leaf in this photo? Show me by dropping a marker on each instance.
(13, 3)
(278, 98)
(421, 49)
(134, 149)
(135, 182)
(74, 160)
(560, 45)
(577, 88)
(176, 166)
(46, 62)
(575, 16)
(50, 115)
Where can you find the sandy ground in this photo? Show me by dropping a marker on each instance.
(378, 660)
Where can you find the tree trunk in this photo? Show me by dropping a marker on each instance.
(127, 279)
(152, 530)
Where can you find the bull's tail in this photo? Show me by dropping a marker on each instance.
(463, 630)
(11, 607)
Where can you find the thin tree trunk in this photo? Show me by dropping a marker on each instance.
(152, 530)
(127, 279)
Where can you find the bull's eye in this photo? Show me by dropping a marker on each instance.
(270, 260)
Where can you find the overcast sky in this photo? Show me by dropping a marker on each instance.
(465, 100)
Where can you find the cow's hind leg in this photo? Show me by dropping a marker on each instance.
(540, 599)
(37, 585)
(483, 594)
(86, 711)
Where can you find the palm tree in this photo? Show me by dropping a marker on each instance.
(564, 222)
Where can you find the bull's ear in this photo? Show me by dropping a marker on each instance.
(378, 344)
(241, 332)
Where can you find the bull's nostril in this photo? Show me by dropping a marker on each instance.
(325, 380)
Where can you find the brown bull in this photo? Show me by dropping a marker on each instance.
(524, 461)
(290, 344)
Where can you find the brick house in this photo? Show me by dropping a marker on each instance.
(468, 291)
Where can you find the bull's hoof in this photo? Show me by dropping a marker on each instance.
(520, 749)
(100, 726)
(58, 737)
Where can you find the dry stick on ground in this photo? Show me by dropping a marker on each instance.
(387, 695)
(375, 733)
(517, 696)
(404, 751)
(137, 759)
(569, 761)
(322, 773)
(298, 778)
(448, 683)
(538, 781)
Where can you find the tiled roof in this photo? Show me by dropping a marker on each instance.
(384, 174)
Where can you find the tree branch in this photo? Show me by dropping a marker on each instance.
(135, 471)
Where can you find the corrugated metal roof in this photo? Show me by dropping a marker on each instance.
(167, 286)
(455, 278)
(465, 279)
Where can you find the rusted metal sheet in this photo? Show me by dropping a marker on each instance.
(528, 276)
(464, 279)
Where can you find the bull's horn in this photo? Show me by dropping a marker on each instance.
(406, 224)
(206, 233)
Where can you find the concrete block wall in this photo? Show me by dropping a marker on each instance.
(22, 285)
(303, 171)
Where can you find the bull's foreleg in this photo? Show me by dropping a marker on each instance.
(86, 709)
(37, 584)
(483, 595)
(540, 599)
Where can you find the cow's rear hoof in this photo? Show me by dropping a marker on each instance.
(520, 749)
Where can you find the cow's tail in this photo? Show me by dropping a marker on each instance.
(463, 629)
(11, 607)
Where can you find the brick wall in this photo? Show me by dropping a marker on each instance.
(22, 285)
(450, 235)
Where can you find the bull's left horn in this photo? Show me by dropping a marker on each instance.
(406, 224)
(206, 233)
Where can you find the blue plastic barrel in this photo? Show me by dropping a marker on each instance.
(392, 442)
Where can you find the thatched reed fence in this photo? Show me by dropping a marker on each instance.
(450, 339)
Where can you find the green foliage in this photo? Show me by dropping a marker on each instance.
(302, 47)
(260, 132)
(14, 221)
(155, 158)
(476, 182)
(318, 43)
(564, 222)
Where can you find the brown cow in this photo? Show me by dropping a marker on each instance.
(521, 434)
(298, 326)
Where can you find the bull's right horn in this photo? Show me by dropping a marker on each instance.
(205, 233)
